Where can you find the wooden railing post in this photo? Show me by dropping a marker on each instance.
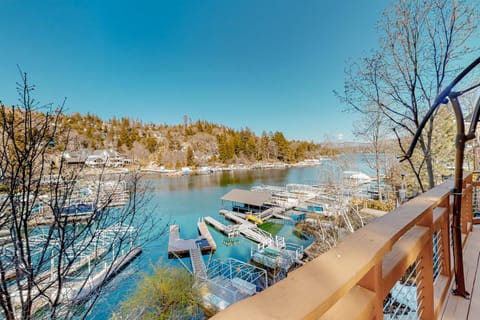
(445, 234)
(443, 227)
(425, 290)
(373, 281)
(475, 195)
(468, 209)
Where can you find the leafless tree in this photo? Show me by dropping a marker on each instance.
(372, 129)
(422, 43)
(61, 229)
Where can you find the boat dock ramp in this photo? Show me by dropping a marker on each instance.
(236, 218)
(276, 212)
(248, 229)
(198, 265)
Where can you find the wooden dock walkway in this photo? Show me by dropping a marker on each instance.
(228, 230)
(272, 212)
(203, 229)
(279, 213)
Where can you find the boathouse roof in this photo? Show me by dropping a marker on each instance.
(248, 197)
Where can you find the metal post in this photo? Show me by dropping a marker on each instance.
(402, 193)
(457, 199)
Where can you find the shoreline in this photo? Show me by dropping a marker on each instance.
(205, 170)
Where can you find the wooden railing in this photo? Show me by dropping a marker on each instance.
(354, 279)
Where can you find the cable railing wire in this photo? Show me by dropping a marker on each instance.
(402, 301)
(437, 255)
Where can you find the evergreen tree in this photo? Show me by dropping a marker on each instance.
(283, 146)
(190, 157)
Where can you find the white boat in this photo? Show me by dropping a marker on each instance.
(186, 171)
(357, 177)
(204, 170)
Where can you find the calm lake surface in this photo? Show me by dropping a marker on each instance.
(183, 200)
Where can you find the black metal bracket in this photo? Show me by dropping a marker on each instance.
(463, 294)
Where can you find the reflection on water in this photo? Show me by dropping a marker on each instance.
(300, 235)
(240, 178)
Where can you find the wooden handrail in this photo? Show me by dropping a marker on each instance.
(363, 268)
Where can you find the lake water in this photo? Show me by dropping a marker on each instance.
(183, 200)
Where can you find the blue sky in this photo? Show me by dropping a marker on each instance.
(267, 65)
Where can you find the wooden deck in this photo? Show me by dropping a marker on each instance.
(352, 280)
(457, 307)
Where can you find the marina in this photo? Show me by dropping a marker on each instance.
(242, 212)
(74, 246)
(248, 209)
(77, 291)
(174, 197)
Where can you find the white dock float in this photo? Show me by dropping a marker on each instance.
(228, 230)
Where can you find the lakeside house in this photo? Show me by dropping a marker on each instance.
(103, 157)
(75, 157)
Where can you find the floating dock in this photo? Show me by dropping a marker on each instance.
(102, 277)
(203, 229)
(181, 247)
(229, 230)
(237, 219)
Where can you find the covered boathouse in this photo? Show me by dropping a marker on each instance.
(244, 201)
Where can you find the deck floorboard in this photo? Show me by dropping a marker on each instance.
(458, 307)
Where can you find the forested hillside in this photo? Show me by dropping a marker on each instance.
(188, 144)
